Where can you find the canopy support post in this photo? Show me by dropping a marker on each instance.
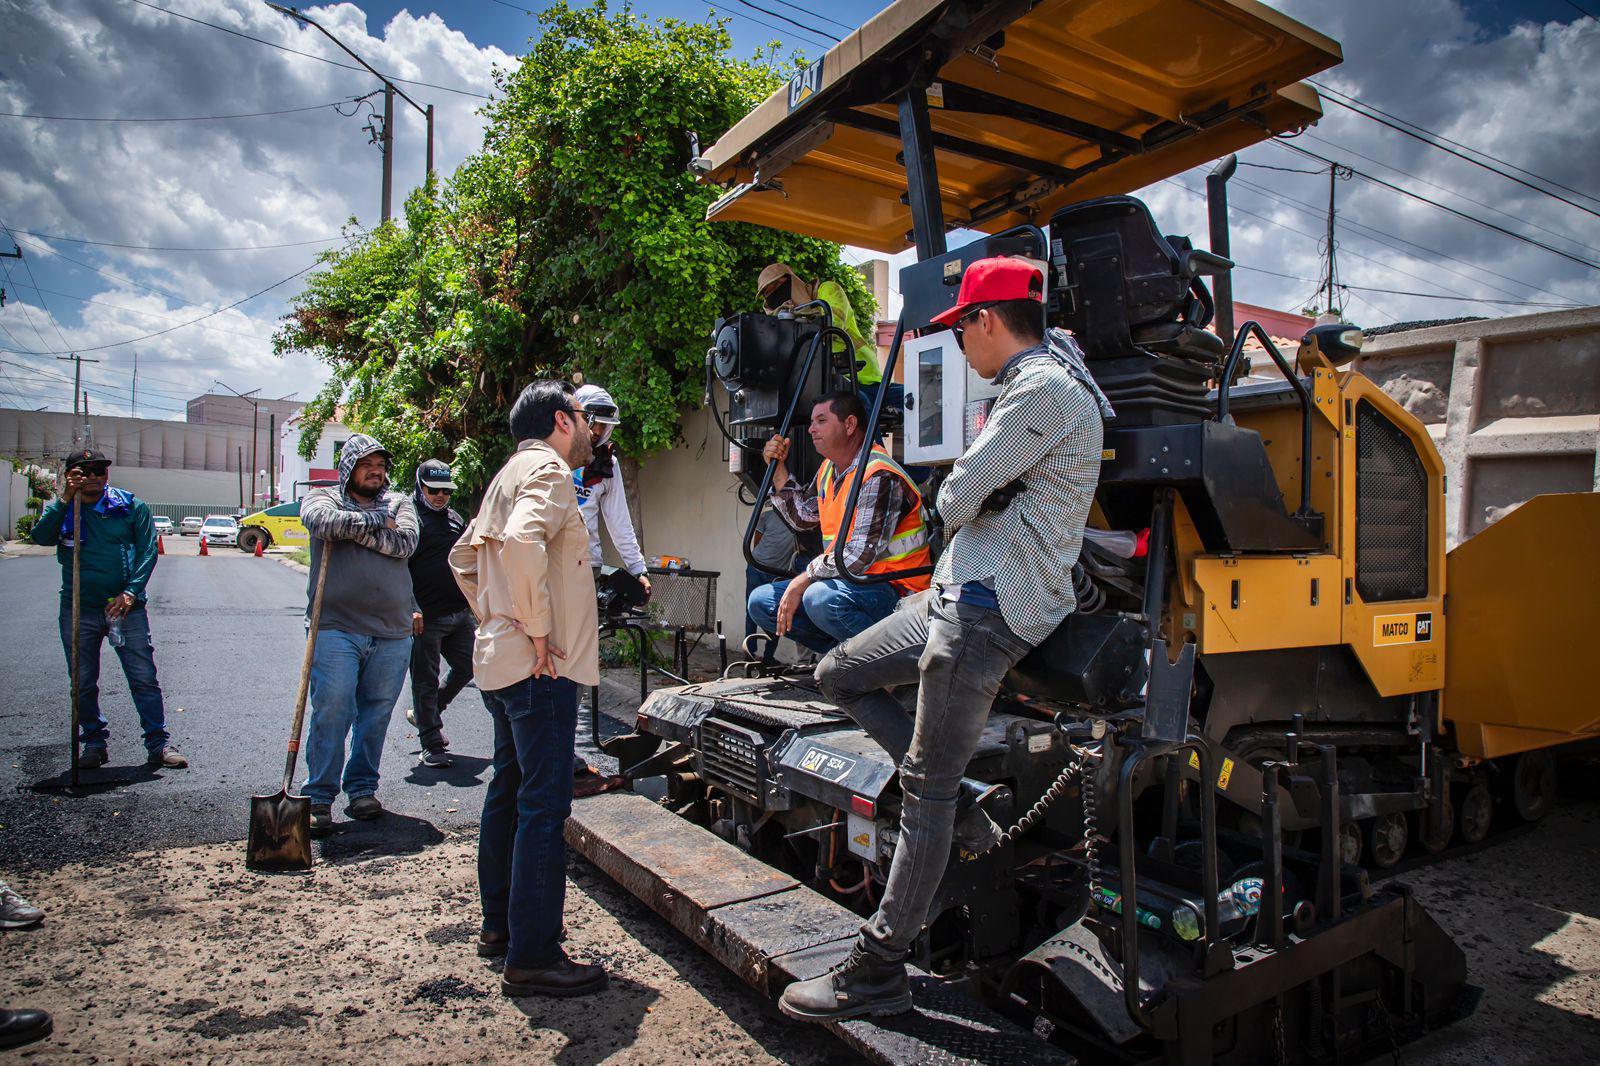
(922, 172)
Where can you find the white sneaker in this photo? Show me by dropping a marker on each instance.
(16, 912)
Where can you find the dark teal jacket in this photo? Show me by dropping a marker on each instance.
(119, 550)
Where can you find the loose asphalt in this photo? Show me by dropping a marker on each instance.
(229, 636)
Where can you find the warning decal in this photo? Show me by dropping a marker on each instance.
(1413, 628)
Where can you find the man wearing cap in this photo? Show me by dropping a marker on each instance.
(782, 289)
(118, 538)
(363, 639)
(440, 620)
(1014, 507)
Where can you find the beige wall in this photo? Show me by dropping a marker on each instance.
(689, 507)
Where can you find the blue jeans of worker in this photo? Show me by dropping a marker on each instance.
(138, 655)
(830, 611)
(355, 680)
(522, 858)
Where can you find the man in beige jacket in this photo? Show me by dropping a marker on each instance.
(523, 565)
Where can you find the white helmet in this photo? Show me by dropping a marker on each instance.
(597, 405)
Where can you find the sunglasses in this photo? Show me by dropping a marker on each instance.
(93, 471)
(960, 330)
(437, 492)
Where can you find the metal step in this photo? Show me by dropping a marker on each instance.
(771, 930)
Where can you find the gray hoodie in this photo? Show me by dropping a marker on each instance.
(369, 582)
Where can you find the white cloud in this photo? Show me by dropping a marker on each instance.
(255, 181)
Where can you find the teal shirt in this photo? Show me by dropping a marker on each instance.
(119, 551)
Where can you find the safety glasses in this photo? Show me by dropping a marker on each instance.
(959, 329)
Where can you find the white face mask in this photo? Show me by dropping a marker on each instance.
(427, 499)
(605, 434)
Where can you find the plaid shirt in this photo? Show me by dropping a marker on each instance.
(1045, 430)
(882, 506)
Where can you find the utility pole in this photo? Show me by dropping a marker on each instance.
(390, 91)
(272, 458)
(1336, 171)
(255, 427)
(77, 362)
(239, 466)
(133, 402)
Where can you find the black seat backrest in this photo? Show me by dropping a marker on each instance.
(1123, 288)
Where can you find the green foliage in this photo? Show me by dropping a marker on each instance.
(25, 526)
(35, 503)
(574, 242)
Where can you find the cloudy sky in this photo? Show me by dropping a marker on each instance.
(112, 216)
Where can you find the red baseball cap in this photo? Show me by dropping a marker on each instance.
(991, 280)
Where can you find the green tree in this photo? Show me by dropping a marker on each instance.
(575, 241)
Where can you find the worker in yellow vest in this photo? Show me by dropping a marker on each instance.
(818, 608)
(782, 289)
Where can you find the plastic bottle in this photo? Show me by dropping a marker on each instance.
(113, 626)
(1238, 901)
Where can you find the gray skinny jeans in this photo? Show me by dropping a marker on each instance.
(959, 653)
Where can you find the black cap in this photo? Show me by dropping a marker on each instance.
(435, 475)
(87, 457)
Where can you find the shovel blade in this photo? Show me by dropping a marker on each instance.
(280, 833)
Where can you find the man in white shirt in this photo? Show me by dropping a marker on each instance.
(599, 485)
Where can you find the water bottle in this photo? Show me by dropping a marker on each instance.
(113, 626)
(1238, 901)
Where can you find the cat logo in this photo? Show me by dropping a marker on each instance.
(826, 765)
(1390, 629)
(805, 84)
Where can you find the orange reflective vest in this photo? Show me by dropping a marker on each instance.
(908, 548)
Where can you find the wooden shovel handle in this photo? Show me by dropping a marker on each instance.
(305, 665)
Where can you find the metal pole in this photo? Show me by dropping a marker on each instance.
(133, 401)
(255, 433)
(272, 458)
(388, 150)
(430, 140)
(1333, 180)
(1217, 210)
(922, 172)
(77, 541)
(240, 467)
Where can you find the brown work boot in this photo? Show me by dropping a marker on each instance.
(365, 809)
(591, 782)
(561, 978)
(492, 945)
(168, 757)
(865, 983)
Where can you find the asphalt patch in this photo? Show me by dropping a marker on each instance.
(459, 933)
(444, 989)
(231, 1021)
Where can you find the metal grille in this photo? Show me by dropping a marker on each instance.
(728, 758)
(686, 598)
(1391, 511)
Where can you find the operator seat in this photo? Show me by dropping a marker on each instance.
(1135, 301)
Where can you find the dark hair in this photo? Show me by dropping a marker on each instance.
(533, 416)
(845, 404)
(1023, 318)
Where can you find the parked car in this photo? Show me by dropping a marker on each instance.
(163, 525)
(190, 527)
(220, 529)
(275, 525)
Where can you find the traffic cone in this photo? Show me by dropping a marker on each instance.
(257, 552)
(203, 545)
(161, 546)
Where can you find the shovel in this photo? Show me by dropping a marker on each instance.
(280, 824)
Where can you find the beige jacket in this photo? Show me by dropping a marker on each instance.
(526, 558)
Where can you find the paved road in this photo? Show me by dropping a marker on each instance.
(229, 638)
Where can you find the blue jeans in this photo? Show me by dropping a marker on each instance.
(138, 657)
(830, 611)
(355, 680)
(522, 858)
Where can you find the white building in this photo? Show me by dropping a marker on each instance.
(300, 475)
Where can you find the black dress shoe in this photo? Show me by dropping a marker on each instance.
(18, 1027)
(561, 978)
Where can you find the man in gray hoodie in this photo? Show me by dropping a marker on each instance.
(363, 639)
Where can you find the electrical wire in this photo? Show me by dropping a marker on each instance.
(161, 332)
(178, 118)
(170, 248)
(1435, 140)
(107, 273)
(147, 314)
(785, 18)
(1403, 292)
(1486, 224)
(308, 55)
(67, 346)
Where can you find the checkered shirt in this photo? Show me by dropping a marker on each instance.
(1045, 428)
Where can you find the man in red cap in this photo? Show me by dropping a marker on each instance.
(1014, 508)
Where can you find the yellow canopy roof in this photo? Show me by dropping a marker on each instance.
(1071, 100)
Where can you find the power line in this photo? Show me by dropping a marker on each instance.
(785, 18)
(176, 118)
(1451, 210)
(147, 314)
(296, 51)
(1403, 292)
(43, 306)
(820, 43)
(162, 332)
(847, 27)
(166, 248)
(107, 273)
(1433, 140)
